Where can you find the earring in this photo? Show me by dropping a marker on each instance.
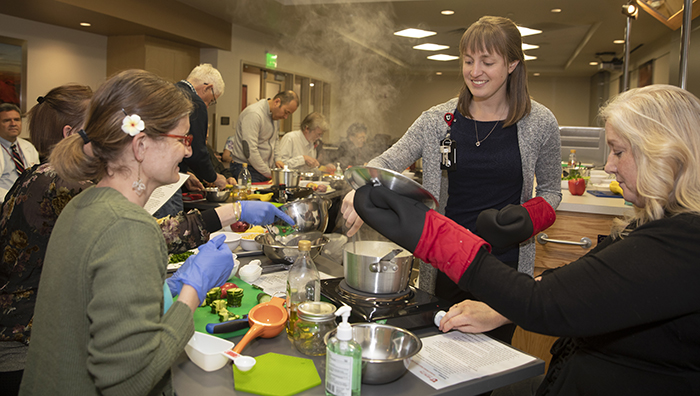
(138, 185)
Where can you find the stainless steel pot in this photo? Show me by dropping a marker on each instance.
(286, 176)
(309, 214)
(365, 271)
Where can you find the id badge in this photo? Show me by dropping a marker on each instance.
(448, 153)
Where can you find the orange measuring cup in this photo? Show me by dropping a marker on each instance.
(266, 320)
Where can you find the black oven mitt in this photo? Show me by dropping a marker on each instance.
(515, 223)
(398, 218)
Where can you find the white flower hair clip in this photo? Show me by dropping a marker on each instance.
(132, 124)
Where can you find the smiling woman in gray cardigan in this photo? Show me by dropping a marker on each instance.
(539, 143)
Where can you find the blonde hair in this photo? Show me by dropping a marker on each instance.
(501, 36)
(159, 103)
(661, 123)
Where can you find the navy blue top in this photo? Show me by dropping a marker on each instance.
(488, 176)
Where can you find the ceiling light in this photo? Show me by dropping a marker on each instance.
(529, 46)
(85, 24)
(447, 12)
(527, 31)
(529, 57)
(430, 47)
(438, 73)
(414, 33)
(593, 63)
(555, 10)
(311, 84)
(443, 57)
(536, 74)
(618, 41)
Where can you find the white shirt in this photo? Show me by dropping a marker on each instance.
(8, 172)
(292, 149)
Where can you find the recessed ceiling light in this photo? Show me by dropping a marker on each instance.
(414, 33)
(555, 10)
(529, 57)
(85, 24)
(443, 57)
(447, 12)
(536, 74)
(618, 41)
(438, 73)
(527, 31)
(593, 63)
(529, 46)
(430, 47)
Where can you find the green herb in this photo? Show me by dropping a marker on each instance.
(179, 257)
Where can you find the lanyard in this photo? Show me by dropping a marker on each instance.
(19, 150)
(448, 146)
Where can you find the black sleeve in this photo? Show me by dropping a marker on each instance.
(199, 162)
(643, 278)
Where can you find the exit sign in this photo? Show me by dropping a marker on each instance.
(271, 61)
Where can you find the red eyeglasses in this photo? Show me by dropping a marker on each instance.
(184, 139)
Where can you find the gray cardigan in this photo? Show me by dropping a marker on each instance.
(539, 142)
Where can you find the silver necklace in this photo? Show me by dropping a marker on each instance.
(478, 142)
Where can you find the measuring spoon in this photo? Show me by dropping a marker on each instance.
(243, 363)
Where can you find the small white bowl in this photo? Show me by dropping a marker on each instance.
(250, 244)
(232, 239)
(236, 265)
(205, 351)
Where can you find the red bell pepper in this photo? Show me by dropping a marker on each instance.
(577, 186)
(225, 287)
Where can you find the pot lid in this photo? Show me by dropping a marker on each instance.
(358, 176)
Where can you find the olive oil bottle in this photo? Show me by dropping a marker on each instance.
(303, 284)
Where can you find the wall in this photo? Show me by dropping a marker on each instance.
(249, 47)
(57, 56)
(566, 97)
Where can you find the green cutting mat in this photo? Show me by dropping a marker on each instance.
(277, 375)
(203, 315)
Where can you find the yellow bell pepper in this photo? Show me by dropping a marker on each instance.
(615, 187)
(262, 197)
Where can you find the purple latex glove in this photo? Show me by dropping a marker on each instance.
(262, 213)
(209, 268)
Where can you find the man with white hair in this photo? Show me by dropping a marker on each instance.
(204, 86)
(299, 149)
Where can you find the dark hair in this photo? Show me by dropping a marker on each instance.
(287, 97)
(356, 128)
(9, 107)
(498, 35)
(159, 103)
(61, 106)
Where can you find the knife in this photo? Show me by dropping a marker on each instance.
(228, 326)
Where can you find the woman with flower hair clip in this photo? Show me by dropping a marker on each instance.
(101, 325)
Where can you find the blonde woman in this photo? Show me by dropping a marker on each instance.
(628, 312)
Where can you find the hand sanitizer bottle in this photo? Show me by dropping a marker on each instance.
(343, 360)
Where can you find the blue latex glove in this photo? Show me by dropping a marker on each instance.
(262, 213)
(209, 268)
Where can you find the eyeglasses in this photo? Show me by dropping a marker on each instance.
(184, 139)
(213, 97)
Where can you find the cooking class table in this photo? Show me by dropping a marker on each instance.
(190, 380)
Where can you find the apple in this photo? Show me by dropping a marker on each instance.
(239, 226)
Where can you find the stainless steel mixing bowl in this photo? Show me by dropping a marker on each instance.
(384, 350)
(278, 253)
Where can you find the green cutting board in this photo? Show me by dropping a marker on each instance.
(203, 315)
(277, 375)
